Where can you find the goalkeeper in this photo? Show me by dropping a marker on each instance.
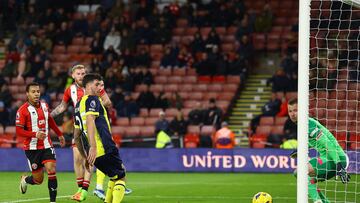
(332, 160)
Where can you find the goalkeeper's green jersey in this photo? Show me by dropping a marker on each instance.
(321, 139)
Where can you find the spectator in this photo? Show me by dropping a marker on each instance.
(44, 96)
(246, 49)
(5, 95)
(184, 58)
(162, 34)
(224, 138)
(9, 69)
(41, 78)
(290, 65)
(146, 99)
(244, 29)
(213, 40)
(271, 108)
(169, 60)
(80, 26)
(202, 66)
(117, 96)
(263, 22)
(97, 44)
(143, 58)
(147, 77)
(176, 101)
(237, 66)
(4, 115)
(213, 59)
(127, 41)
(144, 34)
(64, 35)
(213, 114)
(55, 82)
(162, 101)
(280, 83)
(198, 44)
(162, 124)
(178, 125)
(129, 108)
(36, 65)
(113, 40)
(197, 115)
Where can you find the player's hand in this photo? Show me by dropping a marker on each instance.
(341, 172)
(40, 135)
(62, 141)
(92, 156)
(293, 154)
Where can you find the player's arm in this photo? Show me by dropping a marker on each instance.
(59, 109)
(90, 123)
(106, 100)
(63, 105)
(54, 127)
(92, 107)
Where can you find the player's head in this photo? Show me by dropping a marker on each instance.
(292, 110)
(92, 83)
(78, 73)
(33, 92)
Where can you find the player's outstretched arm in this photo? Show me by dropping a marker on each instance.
(59, 109)
(90, 123)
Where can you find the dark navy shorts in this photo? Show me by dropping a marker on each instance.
(111, 165)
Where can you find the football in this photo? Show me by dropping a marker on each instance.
(262, 197)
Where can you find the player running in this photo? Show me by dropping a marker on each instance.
(332, 161)
(74, 93)
(94, 141)
(33, 121)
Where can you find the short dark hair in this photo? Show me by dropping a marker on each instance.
(91, 77)
(30, 85)
(292, 101)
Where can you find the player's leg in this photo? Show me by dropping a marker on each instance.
(49, 161)
(50, 167)
(111, 165)
(99, 190)
(86, 183)
(79, 169)
(320, 169)
(36, 167)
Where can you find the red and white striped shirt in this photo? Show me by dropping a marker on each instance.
(75, 93)
(30, 120)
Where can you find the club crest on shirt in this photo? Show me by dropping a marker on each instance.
(92, 104)
(17, 115)
(34, 166)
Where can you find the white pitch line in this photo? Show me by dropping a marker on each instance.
(37, 199)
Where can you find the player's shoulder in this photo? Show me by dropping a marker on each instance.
(23, 107)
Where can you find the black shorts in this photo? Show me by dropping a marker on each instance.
(111, 165)
(37, 158)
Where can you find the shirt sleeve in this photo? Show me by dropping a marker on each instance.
(20, 118)
(323, 144)
(92, 106)
(67, 95)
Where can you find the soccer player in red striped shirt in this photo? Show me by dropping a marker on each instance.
(74, 93)
(34, 121)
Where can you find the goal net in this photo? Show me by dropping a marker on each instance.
(334, 84)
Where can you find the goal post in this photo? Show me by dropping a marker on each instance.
(303, 100)
(329, 88)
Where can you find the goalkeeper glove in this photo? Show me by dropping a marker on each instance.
(293, 154)
(341, 172)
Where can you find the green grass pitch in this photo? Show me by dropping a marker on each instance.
(182, 187)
